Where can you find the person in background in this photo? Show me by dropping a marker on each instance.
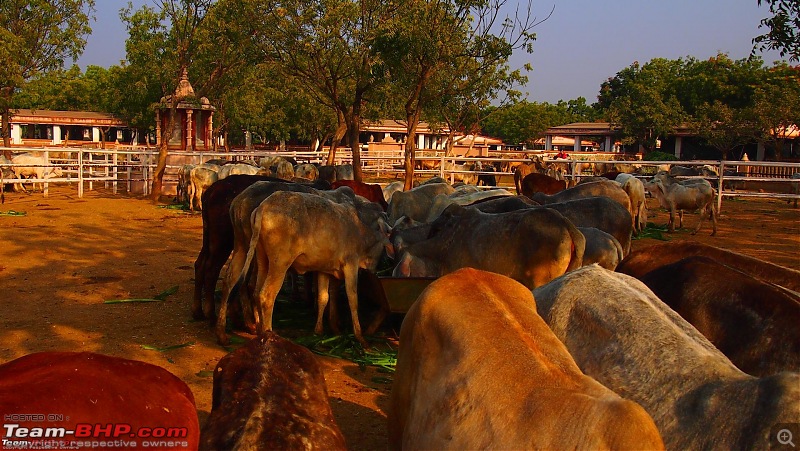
(562, 154)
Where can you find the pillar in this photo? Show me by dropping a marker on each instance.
(609, 146)
(678, 145)
(576, 147)
(57, 135)
(158, 128)
(760, 152)
(421, 141)
(96, 134)
(548, 142)
(189, 135)
(16, 134)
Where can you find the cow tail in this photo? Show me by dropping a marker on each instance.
(248, 263)
(577, 248)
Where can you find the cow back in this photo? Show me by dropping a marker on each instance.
(478, 368)
(752, 322)
(270, 394)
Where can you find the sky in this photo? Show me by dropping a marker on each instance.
(581, 45)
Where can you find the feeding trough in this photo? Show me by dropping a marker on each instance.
(398, 292)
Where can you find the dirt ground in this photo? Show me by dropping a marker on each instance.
(67, 255)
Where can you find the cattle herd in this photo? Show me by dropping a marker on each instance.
(541, 330)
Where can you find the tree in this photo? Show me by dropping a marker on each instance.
(783, 28)
(642, 101)
(776, 106)
(36, 37)
(428, 40)
(724, 127)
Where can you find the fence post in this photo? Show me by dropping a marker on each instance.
(45, 185)
(719, 186)
(80, 172)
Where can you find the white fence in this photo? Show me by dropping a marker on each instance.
(130, 168)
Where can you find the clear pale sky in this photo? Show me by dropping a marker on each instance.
(582, 44)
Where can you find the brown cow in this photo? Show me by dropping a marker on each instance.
(101, 398)
(270, 394)
(752, 322)
(541, 183)
(644, 260)
(370, 191)
(621, 334)
(479, 369)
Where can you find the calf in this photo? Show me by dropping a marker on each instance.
(270, 394)
(541, 183)
(83, 388)
(532, 246)
(752, 322)
(306, 232)
(217, 239)
(201, 177)
(456, 388)
(621, 334)
(692, 195)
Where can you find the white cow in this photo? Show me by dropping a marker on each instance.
(200, 178)
(33, 166)
(621, 334)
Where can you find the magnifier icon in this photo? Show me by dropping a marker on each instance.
(785, 437)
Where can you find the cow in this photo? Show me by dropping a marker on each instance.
(532, 246)
(390, 189)
(416, 202)
(486, 179)
(112, 395)
(306, 232)
(370, 191)
(345, 172)
(503, 204)
(306, 171)
(30, 166)
(692, 195)
(327, 173)
(537, 164)
(636, 193)
(201, 177)
(684, 171)
(241, 210)
(184, 178)
(238, 168)
(460, 197)
(477, 368)
(605, 188)
(601, 248)
(754, 323)
(270, 394)
(218, 238)
(541, 183)
(646, 259)
(622, 335)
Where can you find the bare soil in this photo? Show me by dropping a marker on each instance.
(67, 255)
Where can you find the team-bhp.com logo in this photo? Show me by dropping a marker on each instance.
(87, 435)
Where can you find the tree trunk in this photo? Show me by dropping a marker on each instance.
(341, 129)
(6, 132)
(410, 152)
(161, 165)
(353, 130)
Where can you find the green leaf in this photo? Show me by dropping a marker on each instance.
(168, 348)
(168, 292)
(12, 213)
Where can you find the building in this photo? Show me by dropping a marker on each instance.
(39, 128)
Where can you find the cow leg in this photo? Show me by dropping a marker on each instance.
(671, 224)
(198, 309)
(323, 281)
(713, 214)
(351, 286)
(680, 219)
(268, 291)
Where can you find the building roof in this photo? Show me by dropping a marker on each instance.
(52, 117)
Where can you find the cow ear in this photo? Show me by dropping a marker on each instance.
(403, 268)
